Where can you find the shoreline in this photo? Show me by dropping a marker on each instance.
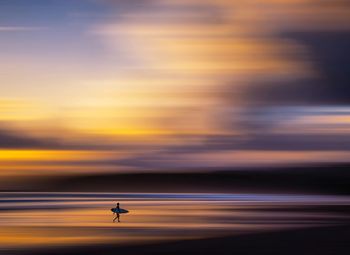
(322, 240)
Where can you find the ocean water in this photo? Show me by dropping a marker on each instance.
(49, 220)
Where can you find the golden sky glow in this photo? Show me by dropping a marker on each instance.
(163, 78)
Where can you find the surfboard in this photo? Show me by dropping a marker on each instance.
(121, 210)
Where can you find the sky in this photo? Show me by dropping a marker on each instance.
(92, 86)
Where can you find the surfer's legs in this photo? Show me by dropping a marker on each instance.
(116, 217)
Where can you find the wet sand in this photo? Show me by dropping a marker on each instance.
(170, 223)
(316, 240)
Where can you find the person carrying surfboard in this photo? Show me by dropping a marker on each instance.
(117, 210)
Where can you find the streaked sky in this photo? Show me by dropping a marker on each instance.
(120, 85)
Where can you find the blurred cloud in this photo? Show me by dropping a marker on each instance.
(173, 79)
(330, 57)
(12, 140)
(19, 29)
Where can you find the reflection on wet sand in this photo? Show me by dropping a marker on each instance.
(39, 220)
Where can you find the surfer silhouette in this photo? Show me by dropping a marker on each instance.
(117, 210)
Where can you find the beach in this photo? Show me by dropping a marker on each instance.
(173, 223)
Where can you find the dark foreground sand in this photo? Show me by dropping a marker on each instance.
(316, 240)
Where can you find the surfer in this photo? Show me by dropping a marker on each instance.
(117, 210)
